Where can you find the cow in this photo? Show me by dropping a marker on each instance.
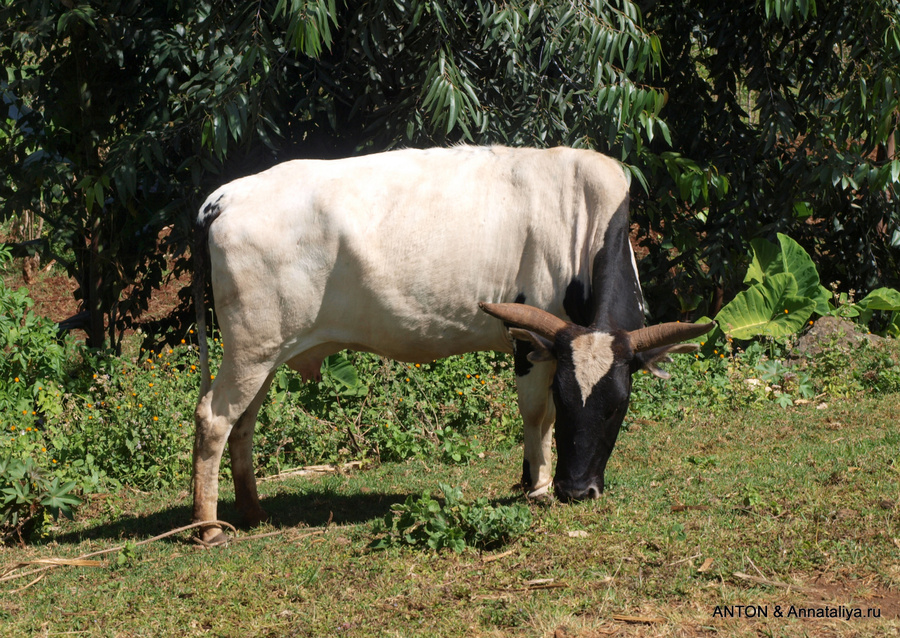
(417, 255)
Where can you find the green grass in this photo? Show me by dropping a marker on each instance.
(795, 496)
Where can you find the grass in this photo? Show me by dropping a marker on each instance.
(797, 496)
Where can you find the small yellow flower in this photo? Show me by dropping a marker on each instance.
(192, 332)
(151, 384)
(12, 428)
(182, 341)
(418, 365)
(156, 418)
(43, 449)
(54, 460)
(785, 311)
(459, 392)
(17, 379)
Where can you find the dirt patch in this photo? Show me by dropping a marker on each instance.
(862, 594)
(53, 293)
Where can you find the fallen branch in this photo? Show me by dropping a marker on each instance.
(646, 620)
(490, 559)
(312, 469)
(24, 587)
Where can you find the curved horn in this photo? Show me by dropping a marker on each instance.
(666, 334)
(528, 317)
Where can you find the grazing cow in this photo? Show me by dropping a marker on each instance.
(398, 254)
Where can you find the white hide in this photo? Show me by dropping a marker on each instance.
(390, 253)
(592, 356)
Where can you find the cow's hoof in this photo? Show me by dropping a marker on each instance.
(542, 494)
(212, 537)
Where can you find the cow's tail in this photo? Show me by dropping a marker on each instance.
(207, 215)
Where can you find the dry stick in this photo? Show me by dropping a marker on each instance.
(24, 587)
(113, 549)
(490, 559)
(311, 469)
(646, 620)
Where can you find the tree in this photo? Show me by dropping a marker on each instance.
(135, 110)
(736, 121)
(797, 103)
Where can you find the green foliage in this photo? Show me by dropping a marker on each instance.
(449, 409)
(455, 523)
(886, 300)
(33, 356)
(26, 493)
(796, 104)
(784, 292)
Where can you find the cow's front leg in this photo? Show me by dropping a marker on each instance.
(538, 414)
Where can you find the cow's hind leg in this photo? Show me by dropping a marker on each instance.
(232, 395)
(240, 446)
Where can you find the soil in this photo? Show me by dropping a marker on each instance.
(53, 292)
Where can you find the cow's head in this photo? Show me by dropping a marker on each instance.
(592, 383)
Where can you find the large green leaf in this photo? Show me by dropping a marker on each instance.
(787, 257)
(772, 308)
(341, 371)
(881, 299)
(886, 299)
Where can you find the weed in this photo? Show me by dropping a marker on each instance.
(455, 523)
(26, 495)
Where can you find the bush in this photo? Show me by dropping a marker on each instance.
(455, 523)
(29, 498)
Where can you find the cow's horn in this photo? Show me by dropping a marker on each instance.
(666, 334)
(528, 317)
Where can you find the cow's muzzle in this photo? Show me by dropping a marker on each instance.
(568, 493)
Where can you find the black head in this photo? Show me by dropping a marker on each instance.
(591, 385)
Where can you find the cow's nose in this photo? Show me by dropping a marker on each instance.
(565, 492)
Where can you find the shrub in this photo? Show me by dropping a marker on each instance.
(28, 495)
(455, 523)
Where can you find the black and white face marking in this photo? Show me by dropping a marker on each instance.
(592, 357)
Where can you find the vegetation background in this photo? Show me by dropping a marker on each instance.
(735, 121)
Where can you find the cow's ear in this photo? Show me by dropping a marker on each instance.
(543, 348)
(649, 359)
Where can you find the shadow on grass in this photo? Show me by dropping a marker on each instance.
(312, 508)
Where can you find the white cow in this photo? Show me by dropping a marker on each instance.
(391, 253)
